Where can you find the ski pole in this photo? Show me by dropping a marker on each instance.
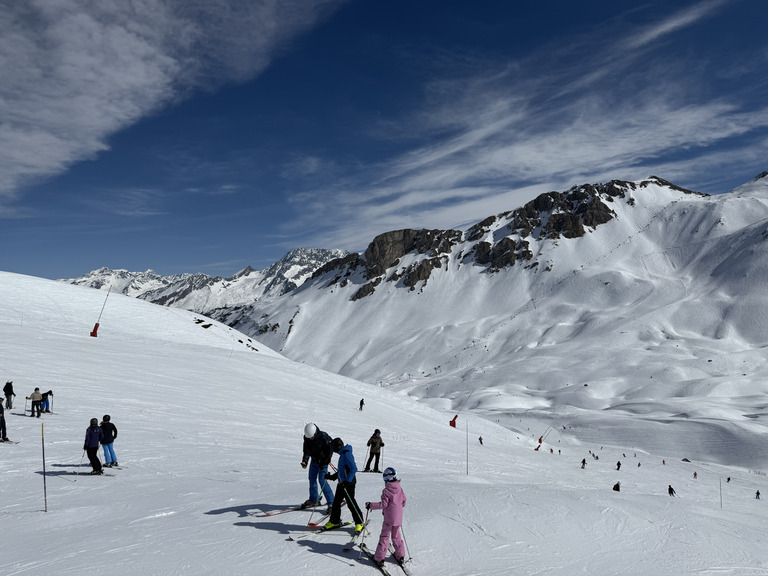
(365, 527)
(406, 542)
(25, 405)
(366, 458)
(322, 486)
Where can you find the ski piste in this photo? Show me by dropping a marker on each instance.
(89, 474)
(368, 553)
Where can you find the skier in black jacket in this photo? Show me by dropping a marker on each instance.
(9, 394)
(93, 436)
(317, 453)
(110, 435)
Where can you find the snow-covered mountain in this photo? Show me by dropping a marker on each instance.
(202, 293)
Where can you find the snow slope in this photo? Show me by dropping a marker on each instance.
(210, 436)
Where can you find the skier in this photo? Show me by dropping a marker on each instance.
(695, 475)
(37, 399)
(391, 504)
(376, 444)
(110, 435)
(3, 432)
(45, 406)
(671, 490)
(9, 394)
(317, 452)
(757, 495)
(93, 435)
(345, 489)
(481, 440)
(583, 463)
(362, 403)
(617, 487)
(618, 465)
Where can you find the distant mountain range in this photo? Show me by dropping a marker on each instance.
(202, 293)
(658, 292)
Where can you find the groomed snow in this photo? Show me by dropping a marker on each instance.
(210, 437)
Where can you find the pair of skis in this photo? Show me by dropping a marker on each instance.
(382, 568)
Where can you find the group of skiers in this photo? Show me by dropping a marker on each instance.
(98, 433)
(317, 450)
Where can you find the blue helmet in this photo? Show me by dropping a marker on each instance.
(390, 474)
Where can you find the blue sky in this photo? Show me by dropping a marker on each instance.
(191, 136)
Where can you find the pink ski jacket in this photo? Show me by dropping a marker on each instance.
(392, 503)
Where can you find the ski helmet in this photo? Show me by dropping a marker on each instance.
(106, 418)
(337, 444)
(390, 475)
(94, 421)
(310, 430)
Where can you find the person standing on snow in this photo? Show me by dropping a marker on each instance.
(45, 405)
(376, 444)
(37, 399)
(671, 490)
(110, 435)
(9, 394)
(362, 403)
(345, 489)
(317, 453)
(618, 465)
(583, 463)
(93, 436)
(391, 504)
(3, 431)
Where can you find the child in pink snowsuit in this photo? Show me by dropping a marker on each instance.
(392, 503)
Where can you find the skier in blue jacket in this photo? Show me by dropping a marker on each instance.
(345, 490)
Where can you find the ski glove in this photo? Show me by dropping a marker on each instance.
(331, 476)
(303, 464)
(367, 505)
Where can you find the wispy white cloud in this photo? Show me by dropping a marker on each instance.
(675, 22)
(75, 72)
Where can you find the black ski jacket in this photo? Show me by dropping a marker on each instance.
(110, 432)
(318, 448)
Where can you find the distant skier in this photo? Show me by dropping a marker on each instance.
(671, 490)
(618, 465)
(93, 436)
(110, 435)
(362, 403)
(481, 440)
(583, 463)
(3, 432)
(9, 394)
(345, 489)
(695, 475)
(317, 453)
(45, 405)
(37, 399)
(757, 495)
(728, 480)
(617, 487)
(391, 504)
(376, 444)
